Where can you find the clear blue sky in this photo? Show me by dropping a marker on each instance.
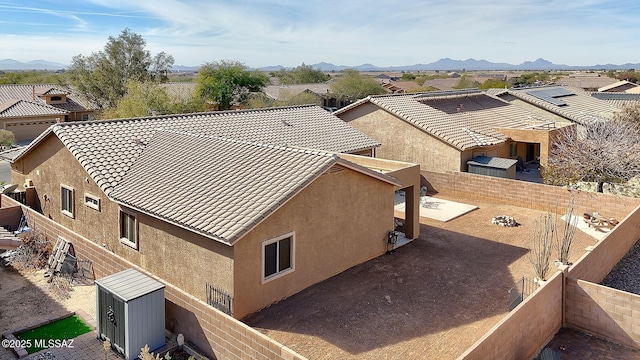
(349, 32)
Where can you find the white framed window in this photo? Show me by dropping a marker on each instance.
(128, 229)
(66, 200)
(92, 201)
(278, 256)
(85, 117)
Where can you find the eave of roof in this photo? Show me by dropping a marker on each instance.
(229, 192)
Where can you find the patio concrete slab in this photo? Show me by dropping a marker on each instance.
(579, 222)
(436, 208)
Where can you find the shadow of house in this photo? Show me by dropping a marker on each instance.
(422, 298)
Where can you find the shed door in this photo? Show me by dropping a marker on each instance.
(112, 325)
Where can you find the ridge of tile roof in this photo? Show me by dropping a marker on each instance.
(463, 118)
(222, 195)
(31, 92)
(107, 149)
(20, 108)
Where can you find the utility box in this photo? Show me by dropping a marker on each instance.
(493, 166)
(130, 312)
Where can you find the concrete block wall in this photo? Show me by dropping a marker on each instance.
(525, 330)
(525, 194)
(211, 331)
(601, 310)
(594, 265)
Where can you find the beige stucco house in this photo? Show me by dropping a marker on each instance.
(258, 204)
(28, 110)
(441, 131)
(559, 103)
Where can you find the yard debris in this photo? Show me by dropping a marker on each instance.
(504, 220)
(33, 253)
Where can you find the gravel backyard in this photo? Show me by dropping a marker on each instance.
(430, 299)
(625, 275)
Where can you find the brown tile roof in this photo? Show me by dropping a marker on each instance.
(31, 93)
(620, 86)
(279, 92)
(216, 187)
(107, 149)
(22, 108)
(586, 82)
(619, 100)
(465, 119)
(442, 84)
(579, 107)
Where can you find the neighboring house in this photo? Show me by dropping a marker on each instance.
(587, 81)
(441, 131)
(322, 91)
(621, 86)
(392, 88)
(447, 84)
(28, 110)
(257, 204)
(617, 99)
(184, 91)
(559, 103)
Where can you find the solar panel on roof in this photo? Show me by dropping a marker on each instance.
(551, 95)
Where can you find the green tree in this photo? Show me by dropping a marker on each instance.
(632, 76)
(150, 98)
(7, 138)
(494, 84)
(32, 77)
(466, 82)
(408, 76)
(303, 74)
(352, 86)
(103, 76)
(529, 79)
(226, 82)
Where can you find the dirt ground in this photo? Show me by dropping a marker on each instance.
(430, 299)
(25, 300)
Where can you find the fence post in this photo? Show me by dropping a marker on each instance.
(565, 272)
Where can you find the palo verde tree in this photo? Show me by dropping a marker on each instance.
(103, 76)
(226, 82)
(303, 74)
(352, 86)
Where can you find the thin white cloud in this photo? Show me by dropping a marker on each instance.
(384, 32)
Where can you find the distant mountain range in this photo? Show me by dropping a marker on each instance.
(10, 64)
(445, 64)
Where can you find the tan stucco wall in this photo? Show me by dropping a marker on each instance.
(340, 220)
(405, 142)
(31, 128)
(185, 259)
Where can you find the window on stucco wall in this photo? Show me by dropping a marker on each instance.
(66, 200)
(128, 229)
(278, 256)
